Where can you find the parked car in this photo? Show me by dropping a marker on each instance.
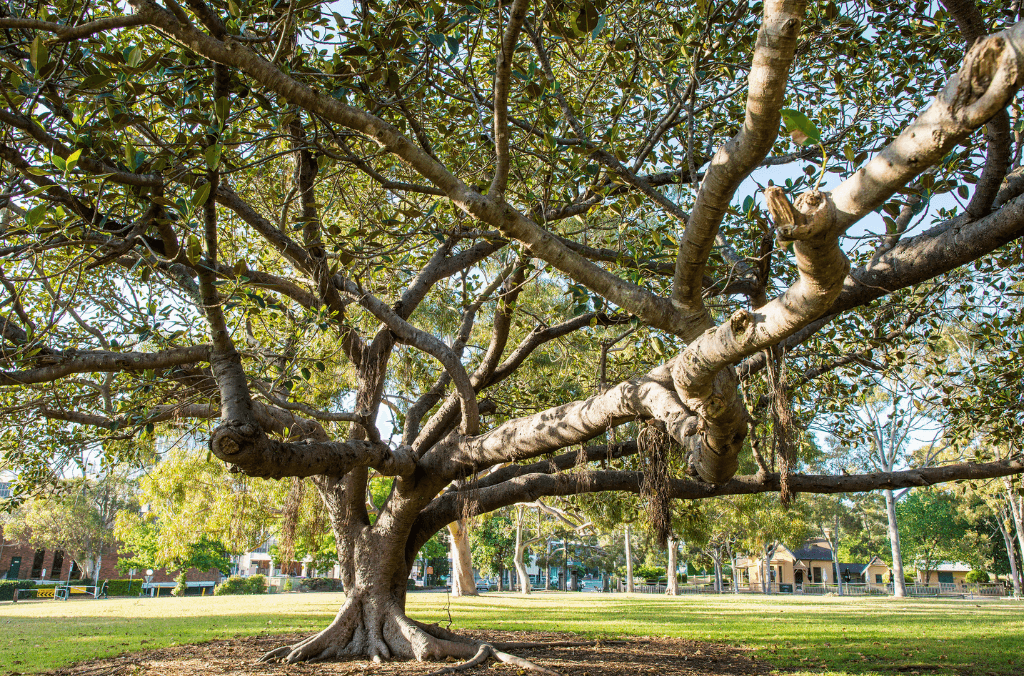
(483, 585)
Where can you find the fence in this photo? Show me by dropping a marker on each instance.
(848, 589)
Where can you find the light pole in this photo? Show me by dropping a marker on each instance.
(149, 578)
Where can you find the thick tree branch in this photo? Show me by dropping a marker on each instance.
(769, 73)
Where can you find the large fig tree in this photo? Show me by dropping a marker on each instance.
(538, 238)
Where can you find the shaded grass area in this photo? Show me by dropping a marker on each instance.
(836, 636)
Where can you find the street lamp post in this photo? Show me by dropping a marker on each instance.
(149, 579)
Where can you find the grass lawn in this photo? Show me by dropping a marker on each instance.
(834, 636)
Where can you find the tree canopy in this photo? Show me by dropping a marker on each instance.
(493, 251)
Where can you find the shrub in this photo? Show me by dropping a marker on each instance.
(130, 587)
(181, 586)
(320, 584)
(648, 572)
(287, 586)
(7, 588)
(256, 584)
(233, 585)
(976, 576)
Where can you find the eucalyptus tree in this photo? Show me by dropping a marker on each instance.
(278, 222)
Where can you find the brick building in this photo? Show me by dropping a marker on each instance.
(25, 561)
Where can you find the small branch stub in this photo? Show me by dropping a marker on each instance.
(811, 217)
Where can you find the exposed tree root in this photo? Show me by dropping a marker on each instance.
(382, 631)
(482, 654)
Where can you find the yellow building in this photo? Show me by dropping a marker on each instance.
(944, 572)
(793, 570)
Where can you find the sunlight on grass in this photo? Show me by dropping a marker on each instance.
(837, 636)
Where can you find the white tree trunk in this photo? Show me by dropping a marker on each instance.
(899, 585)
(629, 561)
(672, 574)
(524, 578)
(1011, 555)
(463, 583)
(1016, 508)
(717, 558)
(766, 583)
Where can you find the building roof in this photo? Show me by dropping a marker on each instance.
(852, 568)
(813, 553)
(946, 567)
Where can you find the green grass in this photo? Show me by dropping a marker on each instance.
(834, 636)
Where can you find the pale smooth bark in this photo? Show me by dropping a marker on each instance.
(672, 589)
(521, 544)
(462, 580)
(899, 585)
(1003, 518)
(629, 558)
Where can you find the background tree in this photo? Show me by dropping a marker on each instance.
(933, 529)
(77, 520)
(392, 242)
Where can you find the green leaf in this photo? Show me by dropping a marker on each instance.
(800, 128)
(134, 56)
(35, 215)
(212, 155)
(72, 159)
(194, 249)
(221, 108)
(200, 195)
(38, 54)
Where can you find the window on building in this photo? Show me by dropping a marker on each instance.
(37, 564)
(878, 578)
(816, 575)
(76, 572)
(58, 565)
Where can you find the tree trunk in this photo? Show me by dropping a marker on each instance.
(547, 571)
(524, 578)
(717, 559)
(520, 548)
(899, 585)
(372, 621)
(835, 570)
(766, 582)
(1016, 508)
(462, 580)
(672, 575)
(1011, 555)
(565, 565)
(629, 560)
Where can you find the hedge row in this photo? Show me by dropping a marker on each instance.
(320, 584)
(7, 588)
(254, 584)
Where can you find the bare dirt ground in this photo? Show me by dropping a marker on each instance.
(640, 656)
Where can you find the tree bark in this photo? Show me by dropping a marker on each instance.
(524, 578)
(672, 575)
(834, 545)
(629, 560)
(462, 581)
(899, 585)
(1011, 554)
